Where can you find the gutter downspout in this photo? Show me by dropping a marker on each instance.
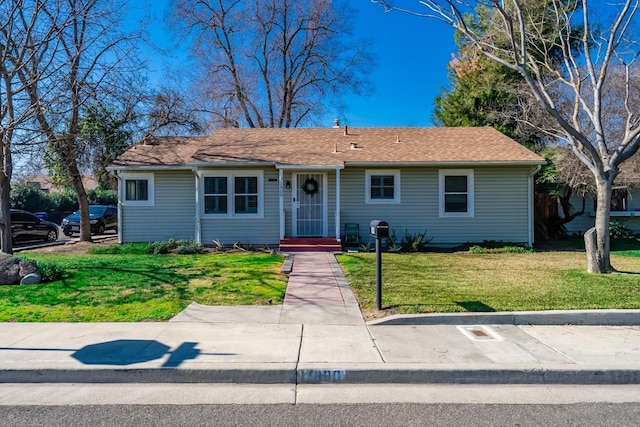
(198, 217)
(337, 218)
(530, 213)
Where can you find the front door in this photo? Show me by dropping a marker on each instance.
(309, 205)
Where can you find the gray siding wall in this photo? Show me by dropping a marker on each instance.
(501, 203)
(500, 209)
(173, 213)
(256, 231)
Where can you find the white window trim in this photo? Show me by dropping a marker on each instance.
(149, 177)
(367, 184)
(442, 173)
(230, 175)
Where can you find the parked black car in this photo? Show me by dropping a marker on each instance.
(26, 226)
(102, 218)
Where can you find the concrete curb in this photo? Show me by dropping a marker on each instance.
(264, 375)
(316, 374)
(550, 318)
(287, 265)
(420, 374)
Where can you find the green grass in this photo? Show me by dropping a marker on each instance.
(143, 287)
(125, 283)
(458, 282)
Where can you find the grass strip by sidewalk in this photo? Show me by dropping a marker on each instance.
(460, 282)
(143, 287)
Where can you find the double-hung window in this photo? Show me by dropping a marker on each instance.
(382, 186)
(216, 199)
(246, 194)
(232, 194)
(456, 193)
(138, 189)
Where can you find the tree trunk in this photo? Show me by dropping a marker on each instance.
(83, 203)
(597, 241)
(6, 243)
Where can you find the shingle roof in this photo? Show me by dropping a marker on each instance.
(332, 147)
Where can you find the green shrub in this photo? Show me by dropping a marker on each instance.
(102, 196)
(49, 272)
(618, 230)
(417, 242)
(28, 196)
(517, 250)
(493, 247)
(189, 247)
(475, 249)
(410, 242)
(162, 247)
(182, 247)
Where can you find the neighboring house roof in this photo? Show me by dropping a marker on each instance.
(45, 183)
(332, 147)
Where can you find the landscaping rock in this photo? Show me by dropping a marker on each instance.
(13, 269)
(31, 279)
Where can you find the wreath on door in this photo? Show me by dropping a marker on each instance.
(310, 186)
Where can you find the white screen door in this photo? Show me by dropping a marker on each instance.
(309, 205)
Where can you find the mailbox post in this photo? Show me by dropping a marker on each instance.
(380, 230)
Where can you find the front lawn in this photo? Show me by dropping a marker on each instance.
(463, 281)
(143, 287)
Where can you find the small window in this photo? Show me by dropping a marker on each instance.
(619, 199)
(138, 189)
(382, 186)
(456, 193)
(215, 195)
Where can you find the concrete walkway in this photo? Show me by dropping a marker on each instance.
(317, 294)
(318, 336)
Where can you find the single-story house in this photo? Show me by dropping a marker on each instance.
(260, 186)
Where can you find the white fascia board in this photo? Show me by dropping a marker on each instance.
(228, 164)
(309, 167)
(444, 164)
(146, 168)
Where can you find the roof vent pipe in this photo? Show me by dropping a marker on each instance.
(346, 130)
(336, 123)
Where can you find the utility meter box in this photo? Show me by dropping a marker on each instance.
(379, 229)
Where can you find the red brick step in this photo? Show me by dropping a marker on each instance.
(325, 244)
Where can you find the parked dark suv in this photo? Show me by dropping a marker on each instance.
(26, 226)
(102, 218)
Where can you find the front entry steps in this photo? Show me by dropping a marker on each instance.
(320, 244)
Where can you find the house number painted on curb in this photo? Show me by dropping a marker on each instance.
(323, 375)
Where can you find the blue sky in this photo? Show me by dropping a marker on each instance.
(412, 56)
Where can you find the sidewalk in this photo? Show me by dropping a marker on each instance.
(318, 336)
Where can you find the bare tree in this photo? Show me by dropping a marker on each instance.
(575, 92)
(24, 36)
(170, 113)
(89, 61)
(272, 63)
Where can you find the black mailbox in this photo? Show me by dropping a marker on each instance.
(379, 229)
